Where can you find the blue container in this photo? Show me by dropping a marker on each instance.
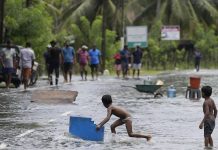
(171, 92)
(85, 129)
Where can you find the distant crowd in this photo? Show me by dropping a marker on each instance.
(57, 58)
(65, 58)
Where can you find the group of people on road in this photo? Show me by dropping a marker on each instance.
(12, 60)
(124, 60)
(65, 58)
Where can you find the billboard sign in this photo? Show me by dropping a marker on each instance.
(137, 36)
(170, 32)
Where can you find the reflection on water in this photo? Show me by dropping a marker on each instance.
(173, 123)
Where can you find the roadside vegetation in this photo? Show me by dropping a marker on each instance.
(80, 22)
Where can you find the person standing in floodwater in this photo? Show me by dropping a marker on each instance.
(83, 59)
(124, 61)
(8, 62)
(117, 64)
(197, 56)
(210, 113)
(27, 58)
(137, 56)
(95, 60)
(68, 61)
(54, 62)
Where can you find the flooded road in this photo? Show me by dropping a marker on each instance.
(172, 122)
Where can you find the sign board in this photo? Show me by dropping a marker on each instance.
(170, 33)
(137, 36)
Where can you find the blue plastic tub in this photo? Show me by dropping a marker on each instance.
(85, 129)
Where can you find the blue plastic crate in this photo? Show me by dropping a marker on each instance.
(85, 129)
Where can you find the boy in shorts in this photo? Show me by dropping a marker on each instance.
(210, 113)
(122, 114)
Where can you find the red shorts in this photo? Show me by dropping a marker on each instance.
(26, 73)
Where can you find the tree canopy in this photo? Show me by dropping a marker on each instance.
(80, 21)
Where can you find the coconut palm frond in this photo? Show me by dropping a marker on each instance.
(111, 6)
(144, 11)
(205, 5)
(176, 11)
(51, 7)
(210, 8)
(111, 9)
(74, 12)
(134, 10)
(163, 9)
(192, 11)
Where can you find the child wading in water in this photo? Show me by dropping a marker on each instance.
(125, 118)
(210, 113)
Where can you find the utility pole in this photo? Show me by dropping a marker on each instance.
(2, 3)
(103, 42)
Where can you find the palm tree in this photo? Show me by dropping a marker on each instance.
(2, 2)
(103, 44)
(74, 9)
(185, 13)
(88, 8)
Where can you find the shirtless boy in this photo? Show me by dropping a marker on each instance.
(125, 118)
(210, 113)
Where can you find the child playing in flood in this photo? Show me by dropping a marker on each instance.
(210, 113)
(123, 115)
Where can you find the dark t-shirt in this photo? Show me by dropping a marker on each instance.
(137, 56)
(54, 55)
(197, 55)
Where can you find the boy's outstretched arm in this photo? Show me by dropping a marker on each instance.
(105, 120)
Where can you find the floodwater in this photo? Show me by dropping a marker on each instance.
(172, 122)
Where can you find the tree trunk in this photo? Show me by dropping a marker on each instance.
(2, 2)
(28, 3)
(123, 20)
(103, 43)
(158, 8)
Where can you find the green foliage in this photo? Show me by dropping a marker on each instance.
(90, 34)
(81, 23)
(28, 24)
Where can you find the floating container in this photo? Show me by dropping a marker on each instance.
(85, 129)
(171, 91)
(195, 82)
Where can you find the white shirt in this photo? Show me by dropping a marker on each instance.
(7, 56)
(27, 56)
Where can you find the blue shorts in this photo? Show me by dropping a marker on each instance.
(8, 70)
(209, 125)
